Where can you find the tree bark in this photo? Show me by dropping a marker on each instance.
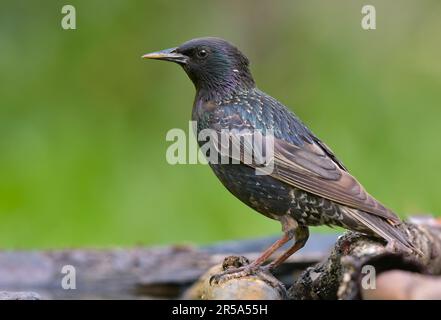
(356, 259)
(168, 271)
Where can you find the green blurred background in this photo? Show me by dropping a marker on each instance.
(83, 119)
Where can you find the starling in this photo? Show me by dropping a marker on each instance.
(308, 185)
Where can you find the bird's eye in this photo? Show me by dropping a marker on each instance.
(202, 53)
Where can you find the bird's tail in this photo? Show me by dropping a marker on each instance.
(389, 231)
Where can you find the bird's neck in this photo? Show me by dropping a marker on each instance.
(218, 89)
(218, 92)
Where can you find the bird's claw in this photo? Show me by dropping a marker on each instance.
(234, 273)
(244, 271)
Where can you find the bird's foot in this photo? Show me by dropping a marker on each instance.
(234, 273)
(263, 273)
(266, 274)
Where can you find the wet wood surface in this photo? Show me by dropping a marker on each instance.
(139, 272)
(329, 267)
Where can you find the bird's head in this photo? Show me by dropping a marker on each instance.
(213, 64)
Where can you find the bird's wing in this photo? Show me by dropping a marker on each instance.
(310, 167)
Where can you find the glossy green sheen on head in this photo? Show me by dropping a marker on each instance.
(215, 66)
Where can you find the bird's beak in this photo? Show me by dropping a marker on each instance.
(167, 55)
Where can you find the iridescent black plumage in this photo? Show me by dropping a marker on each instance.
(309, 185)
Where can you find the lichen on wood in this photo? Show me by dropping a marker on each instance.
(340, 276)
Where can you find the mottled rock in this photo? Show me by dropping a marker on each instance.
(261, 286)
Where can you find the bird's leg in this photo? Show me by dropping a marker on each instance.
(301, 235)
(289, 226)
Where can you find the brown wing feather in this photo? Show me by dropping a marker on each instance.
(311, 168)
